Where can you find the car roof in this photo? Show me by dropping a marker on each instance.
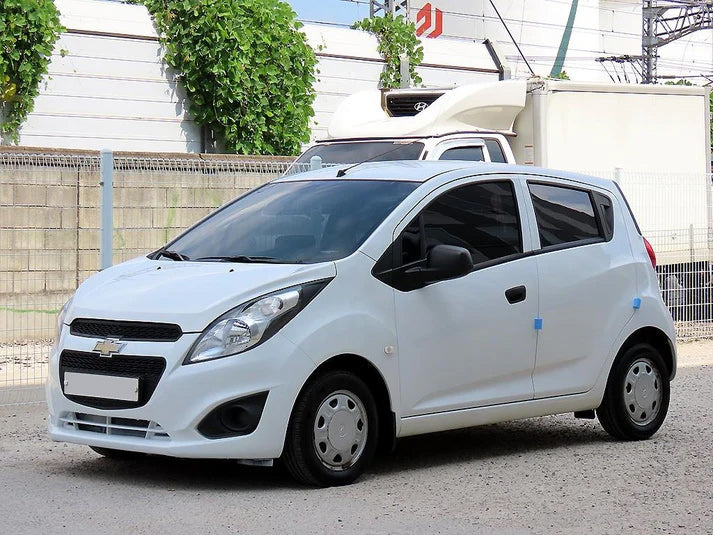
(421, 171)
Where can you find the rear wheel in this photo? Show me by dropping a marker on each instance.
(332, 434)
(120, 455)
(636, 400)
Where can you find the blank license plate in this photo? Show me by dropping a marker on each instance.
(101, 386)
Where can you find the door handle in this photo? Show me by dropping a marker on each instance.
(516, 294)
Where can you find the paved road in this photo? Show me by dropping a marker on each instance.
(544, 475)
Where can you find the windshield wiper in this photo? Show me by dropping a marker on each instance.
(169, 253)
(243, 259)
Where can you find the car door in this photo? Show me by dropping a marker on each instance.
(467, 341)
(587, 284)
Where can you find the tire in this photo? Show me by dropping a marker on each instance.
(637, 395)
(333, 431)
(119, 455)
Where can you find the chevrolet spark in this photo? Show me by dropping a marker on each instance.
(321, 316)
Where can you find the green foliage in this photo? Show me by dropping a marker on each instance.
(561, 76)
(396, 37)
(28, 32)
(679, 82)
(247, 69)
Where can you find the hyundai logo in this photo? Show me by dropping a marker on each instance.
(420, 106)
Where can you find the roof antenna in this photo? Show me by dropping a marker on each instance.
(344, 170)
(512, 38)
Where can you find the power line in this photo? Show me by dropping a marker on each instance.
(512, 38)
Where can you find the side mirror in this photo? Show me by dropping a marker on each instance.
(447, 262)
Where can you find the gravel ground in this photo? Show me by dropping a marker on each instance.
(544, 475)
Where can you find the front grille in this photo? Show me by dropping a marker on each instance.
(126, 330)
(147, 369)
(108, 425)
(408, 105)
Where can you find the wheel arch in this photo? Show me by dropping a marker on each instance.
(371, 375)
(657, 338)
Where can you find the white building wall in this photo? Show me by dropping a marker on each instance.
(108, 86)
(601, 28)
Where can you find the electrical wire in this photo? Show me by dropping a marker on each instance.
(512, 38)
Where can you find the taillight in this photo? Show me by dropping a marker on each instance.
(650, 251)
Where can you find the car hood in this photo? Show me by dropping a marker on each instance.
(191, 294)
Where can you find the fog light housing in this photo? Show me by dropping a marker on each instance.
(234, 418)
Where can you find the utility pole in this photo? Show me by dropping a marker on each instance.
(664, 21)
(395, 7)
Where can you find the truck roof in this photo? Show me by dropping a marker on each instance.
(421, 171)
(488, 107)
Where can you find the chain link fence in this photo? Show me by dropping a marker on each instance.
(50, 235)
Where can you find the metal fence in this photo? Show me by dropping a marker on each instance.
(50, 235)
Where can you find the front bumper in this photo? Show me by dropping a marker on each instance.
(183, 397)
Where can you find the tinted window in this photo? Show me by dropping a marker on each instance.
(563, 214)
(606, 213)
(495, 151)
(481, 217)
(471, 154)
(373, 151)
(295, 222)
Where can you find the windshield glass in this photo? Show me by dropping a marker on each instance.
(292, 222)
(362, 151)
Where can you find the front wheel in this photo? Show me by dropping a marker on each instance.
(636, 399)
(332, 434)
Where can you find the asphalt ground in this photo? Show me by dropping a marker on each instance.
(544, 475)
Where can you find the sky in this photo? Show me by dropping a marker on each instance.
(339, 11)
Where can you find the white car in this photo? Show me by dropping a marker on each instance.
(321, 316)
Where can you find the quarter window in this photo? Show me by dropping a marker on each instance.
(564, 215)
(471, 154)
(495, 151)
(480, 217)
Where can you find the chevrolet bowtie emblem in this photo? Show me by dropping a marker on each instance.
(108, 347)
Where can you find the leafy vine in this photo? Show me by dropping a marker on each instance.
(396, 36)
(247, 69)
(29, 30)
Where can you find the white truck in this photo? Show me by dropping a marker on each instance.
(623, 131)
(653, 139)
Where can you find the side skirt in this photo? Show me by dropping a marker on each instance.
(457, 419)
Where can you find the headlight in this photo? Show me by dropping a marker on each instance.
(252, 323)
(60, 319)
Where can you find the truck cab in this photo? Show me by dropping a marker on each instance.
(474, 147)
(470, 123)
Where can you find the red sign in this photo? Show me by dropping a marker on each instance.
(429, 21)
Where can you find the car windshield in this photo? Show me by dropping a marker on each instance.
(362, 151)
(291, 222)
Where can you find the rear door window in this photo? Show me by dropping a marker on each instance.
(564, 215)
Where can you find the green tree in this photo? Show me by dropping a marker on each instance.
(395, 37)
(28, 32)
(247, 69)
